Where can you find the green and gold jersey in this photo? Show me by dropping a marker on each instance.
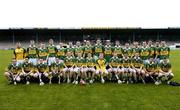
(126, 62)
(90, 62)
(114, 62)
(117, 50)
(151, 67)
(156, 49)
(152, 51)
(80, 61)
(70, 49)
(32, 52)
(27, 67)
(14, 69)
(135, 50)
(88, 49)
(137, 62)
(69, 61)
(57, 66)
(78, 50)
(165, 67)
(164, 52)
(43, 54)
(98, 48)
(42, 67)
(52, 50)
(128, 51)
(61, 53)
(144, 53)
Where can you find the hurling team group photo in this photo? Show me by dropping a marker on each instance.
(88, 62)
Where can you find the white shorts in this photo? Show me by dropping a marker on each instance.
(33, 61)
(91, 69)
(79, 69)
(19, 62)
(68, 69)
(113, 70)
(51, 60)
(101, 71)
(166, 74)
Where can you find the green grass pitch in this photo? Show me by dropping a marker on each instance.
(107, 96)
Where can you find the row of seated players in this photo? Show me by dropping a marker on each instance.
(87, 70)
(158, 51)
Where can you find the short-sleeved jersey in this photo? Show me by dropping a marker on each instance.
(69, 61)
(19, 53)
(135, 50)
(98, 48)
(27, 67)
(14, 69)
(90, 62)
(165, 67)
(61, 53)
(78, 50)
(137, 62)
(42, 67)
(57, 66)
(108, 50)
(128, 51)
(52, 50)
(126, 62)
(114, 62)
(164, 52)
(80, 61)
(88, 49)
(32, 52)
(43, 53)
(70, 49)
(144, 53)
(152, 51)
(117, 50)
(101, 63)
(151, 67)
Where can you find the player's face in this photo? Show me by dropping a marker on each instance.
(98, 41)
(88, 43)
(89, 55)
(26, 61)
(78, 44)
(40, 61)
(14, 62)
(151, 60)
(136, 54)
(127, 45)
(79, 55)
(51, 42)
(144, 44)
(70, 44)
(32, 42)
(163, 43)
(69, 54)
(117, 43)
(125, 55)
(136, 44)
(101, 55)
(165, 61)
(114, 55)
(57, 60)
(108, 42)
(18, 45)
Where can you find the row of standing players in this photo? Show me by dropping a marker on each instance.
(86, 63)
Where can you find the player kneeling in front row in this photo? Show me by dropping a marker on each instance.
(90, 63)
(42, 70)
(27, 70)
(13, 72)
(114, 64)
(101, 67)
(57, 70)
(165, 71)
(138, 72)
(151, 70)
